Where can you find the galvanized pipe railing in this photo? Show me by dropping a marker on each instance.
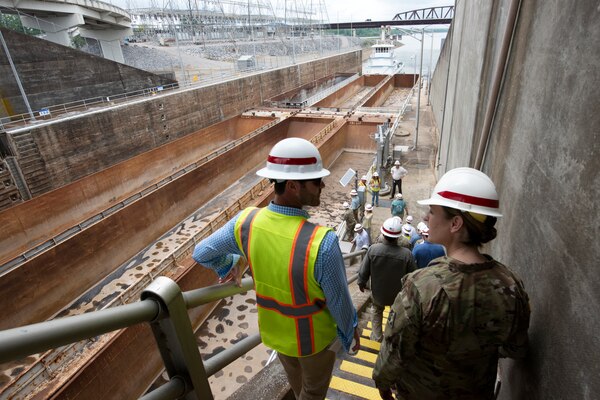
(164, 306)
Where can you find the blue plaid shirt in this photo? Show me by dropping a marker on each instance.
(220, 252)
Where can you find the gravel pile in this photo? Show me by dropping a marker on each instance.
(150, 59)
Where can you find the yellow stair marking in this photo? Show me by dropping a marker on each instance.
(366, 333)
(357, 369)
(370, 344)
(383, 324)
(366, 356)
(353, 388)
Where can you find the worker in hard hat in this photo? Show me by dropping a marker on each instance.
(398, 172)
(361, 238)
(385, 264)
(398, 206)
(424, 251)
(375, 187)
(348, 218)
(453, 319)
(368, 220)
(302, 294)
(354, 203)
(362, 196)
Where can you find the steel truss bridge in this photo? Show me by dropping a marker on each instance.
(424, 16)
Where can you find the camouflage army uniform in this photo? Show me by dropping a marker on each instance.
(348, 217)
(447, 328)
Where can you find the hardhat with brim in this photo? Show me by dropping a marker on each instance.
(368, 207)
(357, 227)
(399, 196)
(392, 227)
(293, 159)
(406, 229)
(363, 178)
(409, 219)
(375, 173)
(353, 193)
(346, 205)
(397, 162)
(466, 189)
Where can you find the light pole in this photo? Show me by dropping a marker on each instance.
(414, 58)
(419, 91)
(430, 62)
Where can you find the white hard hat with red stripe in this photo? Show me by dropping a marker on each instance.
(392, 227)
(466, 189)
(294, 159)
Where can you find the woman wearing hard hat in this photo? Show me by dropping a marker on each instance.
(453, 319)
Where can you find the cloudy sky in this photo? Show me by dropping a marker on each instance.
(345, 10)
(377, 10)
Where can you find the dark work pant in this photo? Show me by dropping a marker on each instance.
(397, 183)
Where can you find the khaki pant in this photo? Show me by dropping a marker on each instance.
(309, 376)
(376, 322)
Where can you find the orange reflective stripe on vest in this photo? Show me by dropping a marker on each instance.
(303, 307)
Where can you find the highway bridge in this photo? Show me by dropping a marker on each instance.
(94, 19)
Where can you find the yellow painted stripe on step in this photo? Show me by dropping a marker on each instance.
(366, 333)
(353, 388)
(357, 369)
(366, 356)
(383, 324)
(370, 344)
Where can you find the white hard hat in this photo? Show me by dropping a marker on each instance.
(421, 226)
(392, 227)
(375, 173)
(406, 229)
(397, 162)
(368, 207)
(363, 178)
(346, 205)
(357, 227)
(466, 189)
(409, 219)
(399, 195)
(425, 231)
(294, 159)
(353, 193)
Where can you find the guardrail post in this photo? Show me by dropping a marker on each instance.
(175, 338)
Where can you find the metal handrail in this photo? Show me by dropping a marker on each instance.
(159, 303)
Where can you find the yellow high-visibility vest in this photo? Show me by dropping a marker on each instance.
(281, 251)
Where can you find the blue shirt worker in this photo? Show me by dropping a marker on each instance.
(425, 252)
(299, 275)
(398, 206)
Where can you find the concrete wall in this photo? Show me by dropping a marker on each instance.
(69, 149)
(543, 156)
(52, 74)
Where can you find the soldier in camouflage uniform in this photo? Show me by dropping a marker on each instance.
(453, 320)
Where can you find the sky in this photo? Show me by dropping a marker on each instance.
(377, 10)
(344, 10)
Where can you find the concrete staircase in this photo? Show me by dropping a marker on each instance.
(352, 374)
(32, 166)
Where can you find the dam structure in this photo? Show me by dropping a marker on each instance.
(121, 194)
(100, 209)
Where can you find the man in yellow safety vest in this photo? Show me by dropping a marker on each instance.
(300, 280)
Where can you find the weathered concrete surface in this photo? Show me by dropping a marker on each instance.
(70, 149)
(544, 158)
(52, 74)
(33, 222)
(39, 288)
